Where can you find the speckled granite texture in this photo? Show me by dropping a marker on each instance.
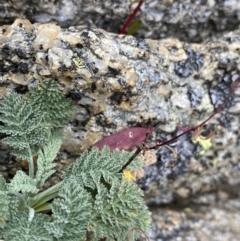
(190, 21)
(116, 81)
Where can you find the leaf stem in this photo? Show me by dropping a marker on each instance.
(45, 196)
(43, 207)
(130, 18)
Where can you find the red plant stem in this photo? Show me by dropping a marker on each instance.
(190, 129)
(130, 18)
(194, 128)
(139, 149)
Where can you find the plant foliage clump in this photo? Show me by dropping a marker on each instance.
(118, 205)
(93, 200)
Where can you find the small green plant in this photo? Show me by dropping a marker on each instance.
(93, 200)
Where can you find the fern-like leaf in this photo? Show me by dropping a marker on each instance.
(20, 228)
(117, 211)
(8, 207)
(13, 206)
(21, 153)
(46, 158)
(92, 166)
(71, 213)
(21, 122)
(21, 182)
(49, 100)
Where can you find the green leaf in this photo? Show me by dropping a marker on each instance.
(118, 210)
(46, 158)
(20, 228)
(21, 182)
(71, 212)
(4, 208)
(134, 27)
(21, 153)
(8, 207)
(21, 122)
(94, 165)
(49, 100)
(2, 183)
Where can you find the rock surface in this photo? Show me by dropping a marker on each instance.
(190, 21)
(119, 81)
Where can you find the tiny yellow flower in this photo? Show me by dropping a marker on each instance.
(128, 176)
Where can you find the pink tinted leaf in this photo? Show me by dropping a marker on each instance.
(125, 139)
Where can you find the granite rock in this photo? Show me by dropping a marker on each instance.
(117, 81)
(190, 21)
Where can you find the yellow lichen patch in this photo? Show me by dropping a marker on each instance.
(79, 63)
(204, 143)
(188, 210)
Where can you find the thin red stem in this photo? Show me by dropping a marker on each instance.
(190, 129)
(130, 18)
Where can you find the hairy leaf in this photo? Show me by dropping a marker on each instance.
(21, 153)
(46, 158)
(49, 100)
(93, 166)
(21, 122)
(71, 212)
(20, 228)
(96, 165)
(118, 210)
(4, 208)
(8, 207)
(21, 182)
